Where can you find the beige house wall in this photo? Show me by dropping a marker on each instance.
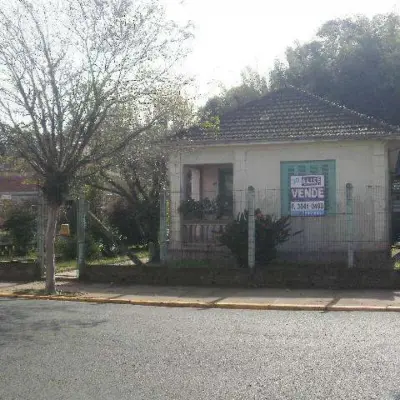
(364, 164)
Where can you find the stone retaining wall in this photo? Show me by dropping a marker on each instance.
(367, 259)
(19, 271)
(272, 276)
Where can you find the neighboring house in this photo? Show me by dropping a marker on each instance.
(16, 188)
(266, 144)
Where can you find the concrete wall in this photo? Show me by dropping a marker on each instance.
(365, 164)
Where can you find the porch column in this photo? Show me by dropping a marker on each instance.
(240, 181)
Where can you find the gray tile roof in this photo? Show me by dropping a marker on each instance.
(293, 114)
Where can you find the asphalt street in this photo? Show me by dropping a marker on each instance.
(56, 350)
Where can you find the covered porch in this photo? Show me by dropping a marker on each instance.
(206, 204)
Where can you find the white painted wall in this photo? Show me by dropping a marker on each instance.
(365, 164)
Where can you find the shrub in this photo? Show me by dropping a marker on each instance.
(136, 224)
(67, 248)
(269, 233)
(21, 226)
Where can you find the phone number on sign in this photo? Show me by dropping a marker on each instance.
(307, 205)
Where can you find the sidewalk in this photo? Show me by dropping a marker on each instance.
(204, 297)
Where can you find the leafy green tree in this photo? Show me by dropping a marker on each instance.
(352, 61)
(252, 87)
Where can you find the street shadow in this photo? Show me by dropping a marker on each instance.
(25, 320)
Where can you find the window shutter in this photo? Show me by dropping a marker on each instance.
(326, 168)
(314, 170)
(302, 169)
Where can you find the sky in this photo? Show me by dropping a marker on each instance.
(233, 34)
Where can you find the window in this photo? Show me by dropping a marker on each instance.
(326, 168)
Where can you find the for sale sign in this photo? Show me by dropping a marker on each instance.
(307, 195)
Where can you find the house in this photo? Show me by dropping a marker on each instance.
(16, 188)
(330, 168)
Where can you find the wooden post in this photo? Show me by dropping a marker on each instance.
(163, 227)
(349, 220)
(81, 233)
(251, 227)
(40, 234)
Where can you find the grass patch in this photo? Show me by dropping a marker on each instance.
(396, 258)
(70, 265)
(43, 292)
(143, 254)
(63, 266)
(113, 260)
(22, 259)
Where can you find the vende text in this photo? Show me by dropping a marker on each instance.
(308, 193)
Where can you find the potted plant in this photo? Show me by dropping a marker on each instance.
(209, 208)
(190, 209)
(199, 209)
(224, 206)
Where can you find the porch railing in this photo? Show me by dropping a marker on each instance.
(200, 233)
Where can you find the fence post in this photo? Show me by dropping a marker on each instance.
(41, 233)
(163, 226)
(349, 220)
(251, 227)
(81, 231)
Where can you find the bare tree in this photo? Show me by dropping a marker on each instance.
(64, 66)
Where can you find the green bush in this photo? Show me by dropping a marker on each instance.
(21, 227)
(67, 248)
(136, 224)
(269, 233)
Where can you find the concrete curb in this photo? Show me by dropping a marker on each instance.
(202, 304)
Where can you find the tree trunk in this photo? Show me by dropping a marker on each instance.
(52, 213)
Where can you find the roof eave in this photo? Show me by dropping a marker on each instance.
(202, 143)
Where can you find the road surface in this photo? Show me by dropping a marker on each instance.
(56, 350)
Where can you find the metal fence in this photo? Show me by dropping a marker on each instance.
(353, 226)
